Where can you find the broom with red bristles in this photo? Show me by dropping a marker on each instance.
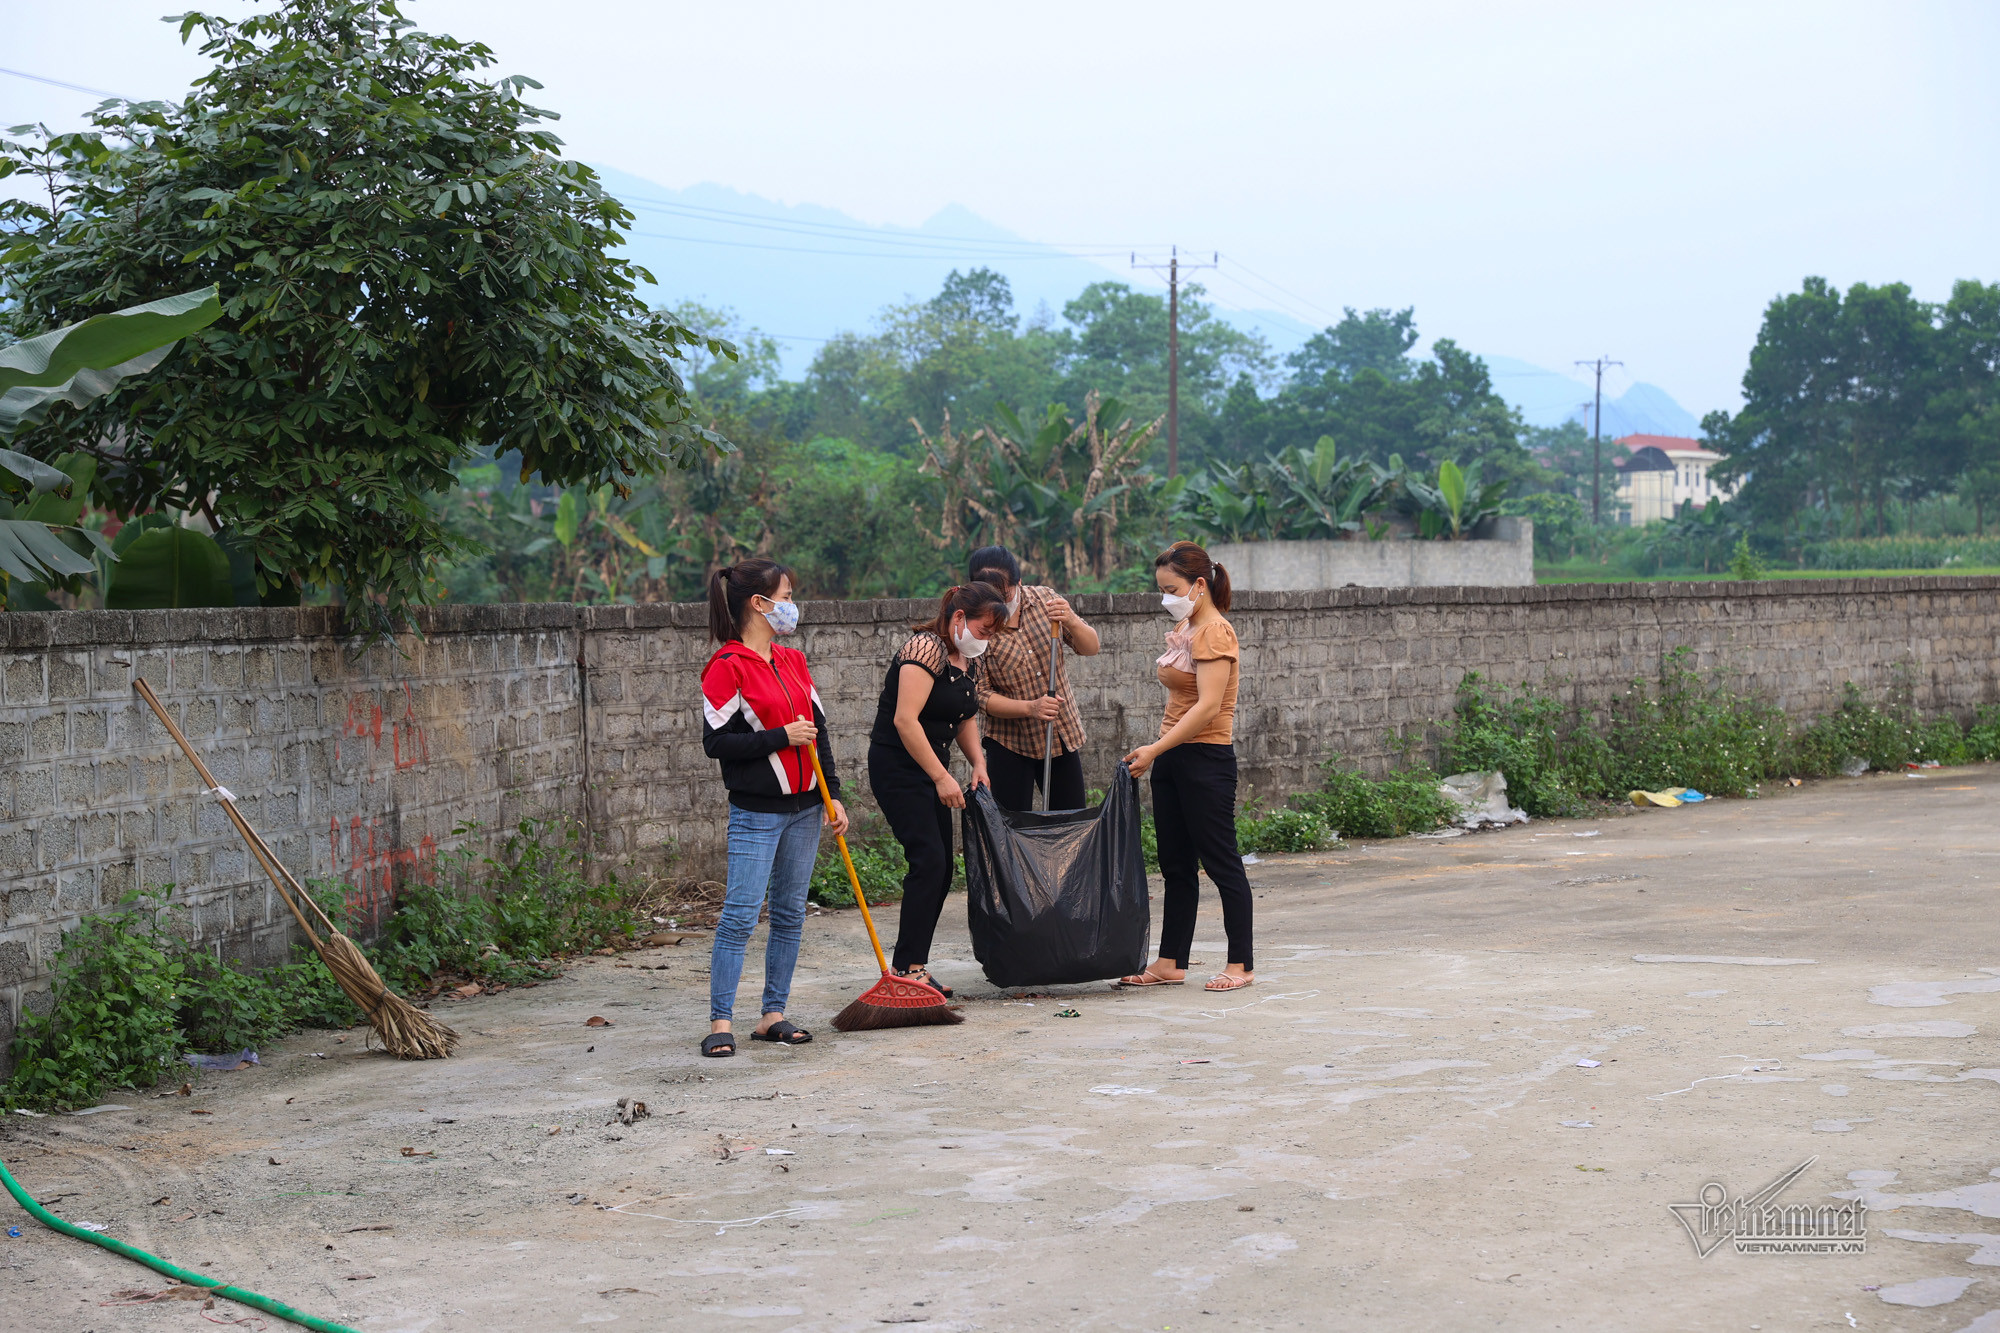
(892, 1002)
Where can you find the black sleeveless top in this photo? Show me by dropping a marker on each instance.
(952, 698)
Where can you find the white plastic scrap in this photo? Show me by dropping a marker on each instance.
(222, 793)
(1118, 1090)
(1588, 1064)
(1481, 799)
(779, 1152)
(1578, 1124)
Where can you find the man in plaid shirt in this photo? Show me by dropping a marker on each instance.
(1016, 698)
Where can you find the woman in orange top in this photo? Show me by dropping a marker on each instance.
(1194, 769)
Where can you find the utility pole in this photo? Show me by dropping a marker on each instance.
(1173, 266)
(1597, 440)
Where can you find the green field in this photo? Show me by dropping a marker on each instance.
(1580, 573)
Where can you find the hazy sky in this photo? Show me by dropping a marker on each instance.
(1546, 181)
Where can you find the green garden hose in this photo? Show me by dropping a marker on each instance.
(159, 1265)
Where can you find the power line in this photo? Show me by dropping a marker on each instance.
(851, 254)
(58, 83)
(1294, 295)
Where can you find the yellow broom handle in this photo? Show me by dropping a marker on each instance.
(860, 900)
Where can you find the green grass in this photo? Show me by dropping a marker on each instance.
(1579, 572)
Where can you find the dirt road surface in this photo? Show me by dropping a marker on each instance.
(1394, 1129)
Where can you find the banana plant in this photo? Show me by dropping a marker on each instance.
(1452, 506)
(41, 543)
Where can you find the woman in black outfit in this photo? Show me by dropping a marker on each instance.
(928, 700)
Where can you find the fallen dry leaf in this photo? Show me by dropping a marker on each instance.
(412, 1152)
(187, 1217)
(360, 1277)
(164, 1198)
(468, 990)
(375, 1226)
(201, 1113)
(597, 1021)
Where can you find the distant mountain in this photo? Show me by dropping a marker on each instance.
(803, 273)
(1548, 398)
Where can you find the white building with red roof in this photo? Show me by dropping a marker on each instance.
(1661, 472)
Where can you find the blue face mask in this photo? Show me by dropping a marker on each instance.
(784, 617)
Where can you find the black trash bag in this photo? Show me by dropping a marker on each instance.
(1060, 897)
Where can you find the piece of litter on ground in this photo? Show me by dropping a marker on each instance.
(108, 1106)
(1119, 1090)
(1252, 859)
(1593, 833)
(1068, 1013)
(597, 1021)
(239, 1060)
(779, 1152)
(91, 1226)
(1195, 1062)
(1766, 1023)
(1578, 1124)
(1588, 1064)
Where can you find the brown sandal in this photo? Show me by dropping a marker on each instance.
(1149, 978)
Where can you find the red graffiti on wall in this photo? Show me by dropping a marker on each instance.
(408, 746)
(373, 872)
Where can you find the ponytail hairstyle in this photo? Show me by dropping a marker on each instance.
(988, 561)
(730, 590)
(976, 600)
(1191, 563)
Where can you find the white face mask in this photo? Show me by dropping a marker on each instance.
(1014, 604)
(968, 645)
(1180, 608)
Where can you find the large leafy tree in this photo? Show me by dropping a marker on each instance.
(409, 271)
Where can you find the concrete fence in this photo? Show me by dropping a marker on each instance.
(358, 763)
(1502, 555)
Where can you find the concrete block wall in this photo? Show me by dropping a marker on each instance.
(357, 765)
(1331, 672)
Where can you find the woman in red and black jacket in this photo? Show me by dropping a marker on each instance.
(759, 712)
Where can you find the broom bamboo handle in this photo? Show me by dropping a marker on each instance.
(272, 867)
(860, 899)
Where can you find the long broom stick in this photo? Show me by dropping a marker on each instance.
(1049, 736)
(406, 1031)
(892, 1002)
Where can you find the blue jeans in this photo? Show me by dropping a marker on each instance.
(771, 853)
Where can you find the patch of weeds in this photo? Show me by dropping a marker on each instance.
(1553, 764)
(1685, 732)
(1282, 831)
(129, 998)
(1886, 736)
(1353, 805)
(1982, 738)
(502, 918)
(878, 863)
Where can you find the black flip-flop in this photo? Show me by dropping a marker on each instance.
(920, 973)
(718, 1044)
(784, 1033)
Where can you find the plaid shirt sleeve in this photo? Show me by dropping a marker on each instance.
(1017, 666)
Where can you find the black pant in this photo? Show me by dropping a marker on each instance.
(922, 823)
(1194, 817)
(1016, 778)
